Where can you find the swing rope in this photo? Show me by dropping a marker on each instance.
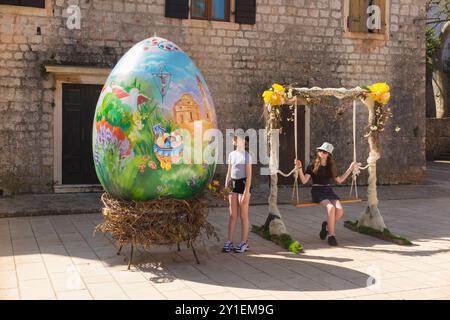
(296, 174)
(356, 170)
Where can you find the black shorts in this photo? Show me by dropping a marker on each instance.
(320, 193)
(238, 185)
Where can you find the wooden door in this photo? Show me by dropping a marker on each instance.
(79, 101)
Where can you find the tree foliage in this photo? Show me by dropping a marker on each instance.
(434, 42)
(441, 11)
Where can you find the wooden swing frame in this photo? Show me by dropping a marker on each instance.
(371, 217)
(346, 200)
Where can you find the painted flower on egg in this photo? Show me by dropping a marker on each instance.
(151, 104)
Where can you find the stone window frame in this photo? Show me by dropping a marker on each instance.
(364, 35)
(28, 11)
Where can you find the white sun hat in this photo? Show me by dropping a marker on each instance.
(326, 146)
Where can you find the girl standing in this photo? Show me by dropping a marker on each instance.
(323, 171)
(239, 178)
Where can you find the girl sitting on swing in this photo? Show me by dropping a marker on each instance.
(323, 170)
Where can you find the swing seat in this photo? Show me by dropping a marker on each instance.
(347, 200)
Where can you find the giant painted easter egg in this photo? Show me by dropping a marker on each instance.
(151, 107)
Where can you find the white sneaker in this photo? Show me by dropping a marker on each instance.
(242, 247)
(228, 246)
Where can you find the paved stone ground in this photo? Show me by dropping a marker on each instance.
(57, 257)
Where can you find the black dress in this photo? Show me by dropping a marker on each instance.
(324, 178)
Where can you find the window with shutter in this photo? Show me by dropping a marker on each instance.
(25, 3)
(214, 10)
(367, 16)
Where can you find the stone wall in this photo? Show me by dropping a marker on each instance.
(292, 41)
(438, 137)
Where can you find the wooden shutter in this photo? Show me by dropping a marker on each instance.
(382, 5)
(177, 9)
(245, 11)
(357, 20)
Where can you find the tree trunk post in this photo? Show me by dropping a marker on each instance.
(371, 217)
(439, 78)
(274, 221)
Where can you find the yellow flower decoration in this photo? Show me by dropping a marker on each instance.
(276, 100)
(379, 87)
(379, 92)
(212, 188)
(275, 96)
(278, 88)
(267, 95)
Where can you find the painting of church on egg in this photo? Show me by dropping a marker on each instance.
(186, 111)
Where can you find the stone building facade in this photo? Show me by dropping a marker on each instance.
(302, 41)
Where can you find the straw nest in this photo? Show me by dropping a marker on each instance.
(163, 221)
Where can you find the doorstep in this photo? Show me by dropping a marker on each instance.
(72, 188)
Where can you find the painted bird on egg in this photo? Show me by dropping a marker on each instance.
(151, 104)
